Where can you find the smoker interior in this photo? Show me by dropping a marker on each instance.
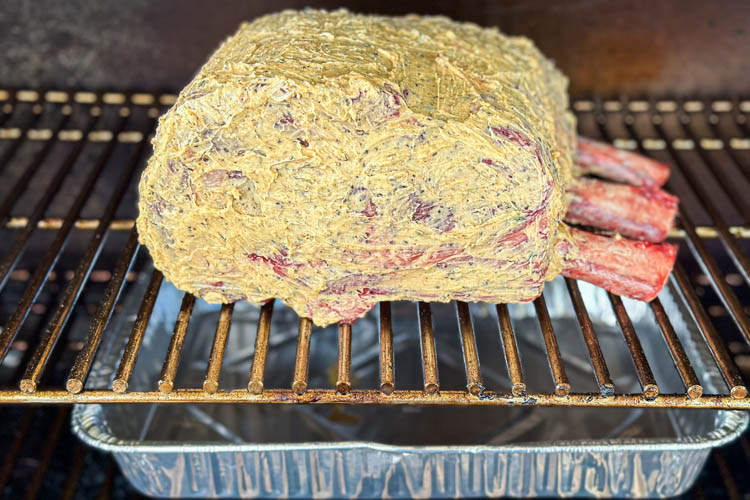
(640, 49)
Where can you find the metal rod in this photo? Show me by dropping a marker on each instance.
(37, 110)
(53, 253)
(469, 347)
(22, 182)
(255, 385)
(11, 454)
(711, 268)
(387, 376)
(11, 259)
(606, 386)
(510, 348)
(85, 357)
(344, 377)
(562, 387)
(681, 361)
(645, 375)
(728, 369)
(302, 360)
(429, 354)
(728, 185)
(127, 362)
(54, 328)
(706, 262)
(172, 360)
(706, 198)
(357, 396)
(714, 125)
(50, 443)
(128, 224)
(211, 383)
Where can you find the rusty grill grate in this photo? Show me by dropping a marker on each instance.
(672, 127)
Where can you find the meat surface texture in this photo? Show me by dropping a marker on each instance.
(335, 160)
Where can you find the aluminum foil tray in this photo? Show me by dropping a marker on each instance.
(365, 451)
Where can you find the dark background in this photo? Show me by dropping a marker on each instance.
(632, 47)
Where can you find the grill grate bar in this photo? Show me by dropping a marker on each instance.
(469, 347)
(22, 183)
(645, 375)
(562, 387)
(713, 123)
(711, 268)
(36, 115)
(399, 397)
(302, 360)
(729, 187)
(679, 357)
(699, 188)
(85, 357)
(211, 383)
(601, 372)
(255, 386)
(53, 253)
(427, 345)
(172, 360)
(510, 349)
(127, 362)
(728, 369)
(705, 261)
(343, 379)
(699, 251)
(11, 259)
(70, 296)
(387, 376)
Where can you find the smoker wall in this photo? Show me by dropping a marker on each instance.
(606, 47)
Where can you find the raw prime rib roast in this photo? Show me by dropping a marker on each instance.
(335, 160)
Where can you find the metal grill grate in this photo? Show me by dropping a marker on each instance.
(673, 128)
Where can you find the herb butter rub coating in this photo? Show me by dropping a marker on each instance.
(335, 160)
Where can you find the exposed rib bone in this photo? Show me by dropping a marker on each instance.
(609, 162)
(635, 269)
(644, 213)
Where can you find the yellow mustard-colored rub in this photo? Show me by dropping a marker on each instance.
(335, 160)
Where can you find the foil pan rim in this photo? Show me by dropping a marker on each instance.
(87, 425)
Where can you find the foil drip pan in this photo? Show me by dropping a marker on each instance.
(372, 451)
